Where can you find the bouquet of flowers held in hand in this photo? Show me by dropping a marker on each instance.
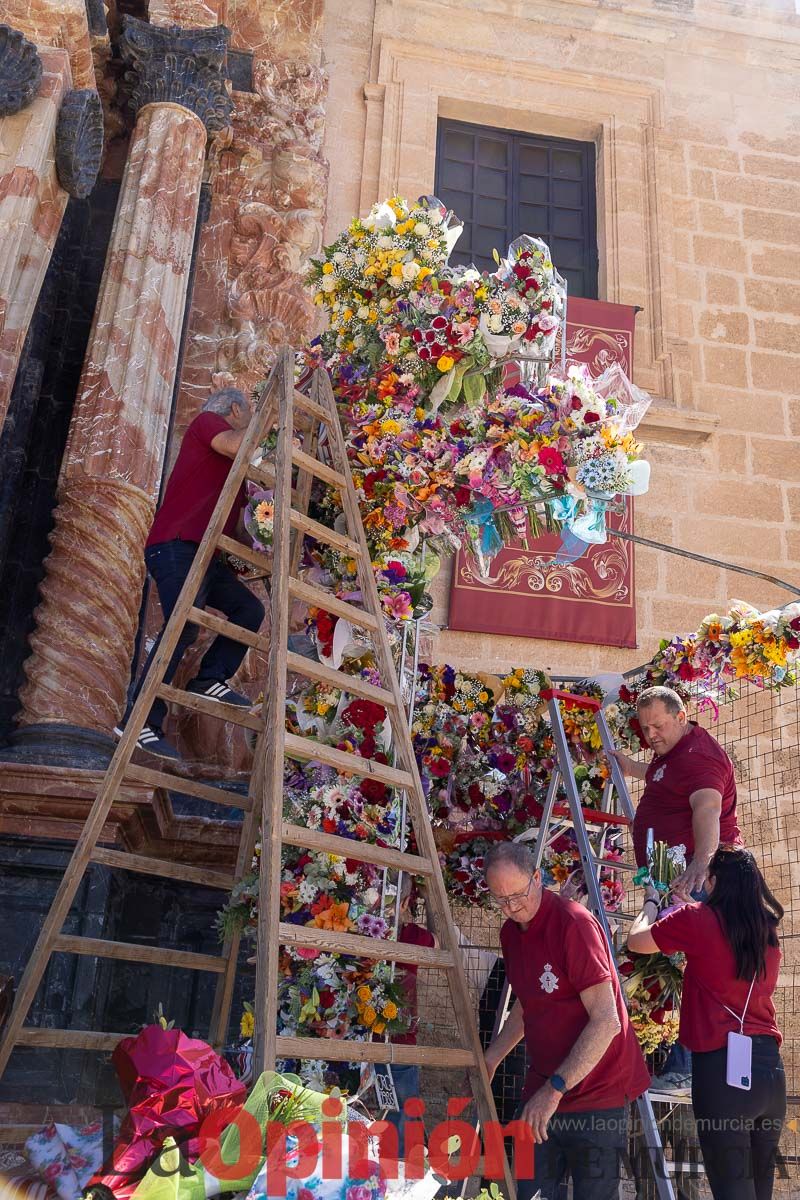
(653, 982)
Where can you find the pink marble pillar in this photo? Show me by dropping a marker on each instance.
(31, 207)
(86, 621)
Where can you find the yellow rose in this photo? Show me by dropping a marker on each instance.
(247, 1025)
(364, 993)
(379, 1027)
(445, 363)
(369, 1015)
(390, 1010)
(483, 697)
(327, 268)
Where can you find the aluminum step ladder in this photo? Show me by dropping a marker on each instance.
(616, 810)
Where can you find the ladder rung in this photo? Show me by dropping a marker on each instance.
(236, 714)
(330, 603)
(355, 944)
(353, 684)
(308, 750)
(571, 700)
(611, 864)
(68, 1039)
(330, 843)
(620, 916)
(256, 557)
(237, 633)
(592, 816)
(306, 462)
(129, 952)
(162, 869)
(341, 1050)
(311, 406)
(264, 475)
(683, 1168)
(187, 787)
(323, 534)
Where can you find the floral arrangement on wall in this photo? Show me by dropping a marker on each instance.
(441, 451)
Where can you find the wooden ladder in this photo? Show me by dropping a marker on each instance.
(263, 804)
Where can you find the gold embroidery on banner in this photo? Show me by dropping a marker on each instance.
(538, 573)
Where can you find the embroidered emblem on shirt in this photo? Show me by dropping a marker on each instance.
(659, 774)
(548, 980)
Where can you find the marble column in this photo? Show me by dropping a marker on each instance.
(81, 649)
(32, 85)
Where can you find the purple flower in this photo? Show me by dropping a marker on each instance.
(372, 926)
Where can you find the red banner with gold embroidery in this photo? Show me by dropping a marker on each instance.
(529, 595)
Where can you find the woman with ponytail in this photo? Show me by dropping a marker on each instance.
(732, 958)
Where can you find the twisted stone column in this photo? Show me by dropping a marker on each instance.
(86, 623)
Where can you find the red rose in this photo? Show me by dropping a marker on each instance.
(439, 323)
(416, 335)
(373, 791)
(424, 353)
(445, 287)
(591, 417)
(686, 671)
(430, 335)
(437, 350)
(463, 496)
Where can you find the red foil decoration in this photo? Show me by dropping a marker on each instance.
(171, 1083)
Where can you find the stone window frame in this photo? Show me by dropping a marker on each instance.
(417, 84)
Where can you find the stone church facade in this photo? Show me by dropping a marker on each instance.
(166, 170)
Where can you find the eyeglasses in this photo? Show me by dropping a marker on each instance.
(515, 900)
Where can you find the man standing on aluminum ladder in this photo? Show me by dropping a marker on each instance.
(209, 446)
(689, 799)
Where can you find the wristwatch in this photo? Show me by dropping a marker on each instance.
(558, 1083)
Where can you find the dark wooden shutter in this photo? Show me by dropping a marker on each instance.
(503, 184)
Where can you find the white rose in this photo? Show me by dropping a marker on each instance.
(363, 312)
(496, 323)
(371, 897)
(421, 229)
(328, 283)
(395, 281)
(384, 243)
(358, 341)
(410, 271)
(546, 322)
(471, 275)
(340, 256)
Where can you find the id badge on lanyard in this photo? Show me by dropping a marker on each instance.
(739, 1061)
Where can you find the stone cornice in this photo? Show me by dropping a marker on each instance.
(173, 65)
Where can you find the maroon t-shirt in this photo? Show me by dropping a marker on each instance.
(560, 954)
(194, 486)
(412, 935)
(697, 761)
(710, 980)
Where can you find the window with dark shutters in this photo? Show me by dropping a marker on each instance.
(502, 184)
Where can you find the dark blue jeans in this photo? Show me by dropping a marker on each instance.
(169, 563)
(739, 1131)
(406, 1085)
(592, 1146)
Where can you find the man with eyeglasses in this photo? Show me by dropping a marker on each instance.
(585, 1061)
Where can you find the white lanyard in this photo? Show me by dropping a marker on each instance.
(744, 1010)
